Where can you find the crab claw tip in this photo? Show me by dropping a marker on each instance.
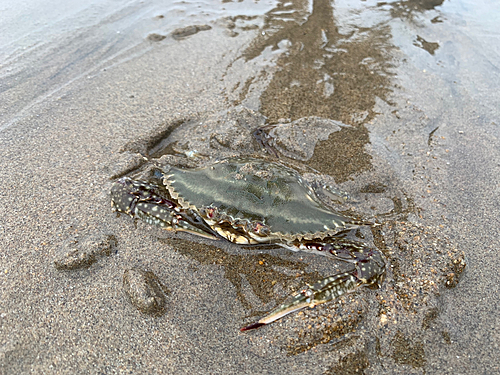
(252, 326)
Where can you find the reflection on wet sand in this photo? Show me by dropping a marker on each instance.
(409, 9)
(326, 73)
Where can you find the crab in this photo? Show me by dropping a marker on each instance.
(254, 202)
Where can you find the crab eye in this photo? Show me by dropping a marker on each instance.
(261, 229)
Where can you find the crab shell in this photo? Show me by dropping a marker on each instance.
(252, 201)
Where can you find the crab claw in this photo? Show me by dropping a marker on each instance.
(323, 291)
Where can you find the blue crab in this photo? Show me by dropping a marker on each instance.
(255, 202)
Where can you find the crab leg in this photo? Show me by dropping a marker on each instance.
(369, 270)
(138, 199)
(323, 291)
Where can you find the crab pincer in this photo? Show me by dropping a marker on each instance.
(322, 291)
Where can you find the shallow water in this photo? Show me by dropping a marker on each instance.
(411, 89)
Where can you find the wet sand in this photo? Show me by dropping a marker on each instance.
(415, 85)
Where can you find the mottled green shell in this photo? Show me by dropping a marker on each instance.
(253, 189)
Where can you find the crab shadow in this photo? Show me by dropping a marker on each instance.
(270, 277)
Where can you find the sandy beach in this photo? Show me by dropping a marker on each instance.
(394, 103)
